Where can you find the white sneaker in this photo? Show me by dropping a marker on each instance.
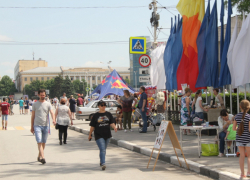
(131, 130)
(125, 130)
(221, 155)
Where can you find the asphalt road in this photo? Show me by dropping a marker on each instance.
(78, 159)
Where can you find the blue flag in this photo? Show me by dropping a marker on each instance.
(212, 48)
(170, 59)
(201, 42)
(167, 54)
(225, 77)
(177, 51)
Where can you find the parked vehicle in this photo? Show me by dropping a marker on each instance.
(91, 108)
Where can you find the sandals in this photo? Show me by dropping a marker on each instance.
(242, 176)
(38, 159)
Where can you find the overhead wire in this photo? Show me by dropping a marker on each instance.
(94, 7)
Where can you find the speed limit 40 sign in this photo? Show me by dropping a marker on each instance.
(144, 60)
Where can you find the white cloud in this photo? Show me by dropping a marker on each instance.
(93, 64)
(8, 64)
(5, 38)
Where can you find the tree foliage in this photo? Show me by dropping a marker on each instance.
(57, 87)
(127, 81)
(242, 5)
(7, 86)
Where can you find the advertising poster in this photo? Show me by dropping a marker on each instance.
(161, 134)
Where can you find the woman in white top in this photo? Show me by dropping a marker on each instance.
(198, 105)
(224, 120)
(63, 115)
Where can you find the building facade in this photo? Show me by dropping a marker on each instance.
(24, 65)
(92, 75)
(136, 70)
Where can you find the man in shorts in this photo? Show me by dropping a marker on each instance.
(40, 123)
(5, 110)
(21, 105)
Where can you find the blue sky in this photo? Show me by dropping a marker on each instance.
(75, 26)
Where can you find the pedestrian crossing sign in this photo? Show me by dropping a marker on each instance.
(137, 45)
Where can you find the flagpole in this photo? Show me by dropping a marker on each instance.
(206, 96)
(231, 100)
(174, 102)
(170, 95)
(245, 91)
(238, 108)
(224, 96)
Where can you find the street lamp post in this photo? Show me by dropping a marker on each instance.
(135, 80)
(108, 63)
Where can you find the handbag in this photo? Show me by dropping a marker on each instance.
(209, 149)
(57, 126)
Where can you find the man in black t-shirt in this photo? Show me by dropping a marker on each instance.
(100, 124)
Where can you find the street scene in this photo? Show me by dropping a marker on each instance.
(125, 89)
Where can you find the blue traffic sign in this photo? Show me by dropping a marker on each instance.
(137, 45)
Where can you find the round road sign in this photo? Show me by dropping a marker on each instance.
(87, 89)
(144, 60)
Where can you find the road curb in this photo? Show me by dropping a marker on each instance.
(193, 166)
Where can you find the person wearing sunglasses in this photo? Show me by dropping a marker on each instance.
(100, 124)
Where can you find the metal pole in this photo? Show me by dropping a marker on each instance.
(166, 116)
(170, 96)
(174, 101)
(206, 96)
(155, 25)
(238, 107)
(231, 100)
(224, 96)
(245, 91)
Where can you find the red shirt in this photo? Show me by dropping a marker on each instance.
(80, 101)
(5, 108)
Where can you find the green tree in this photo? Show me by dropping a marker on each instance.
(57, 87)
(242, 5)
(127, 81)
(80, 86)
(68, 87)
(7, 86)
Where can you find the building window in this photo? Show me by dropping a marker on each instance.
(25, 79)
(71, 78)
(31, 79)
(93, 77)
(42, 78)
(47, 78)
(126, 77)
(36, 78)
(99, 78)
(77, 77)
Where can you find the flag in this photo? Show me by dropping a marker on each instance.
(177, 51)
(230, 53)
(169, 59)
(201, 39)
(225, 77)
(167, 53)
(241, 55)
(212, 48)
(221, 28)
(192, 14)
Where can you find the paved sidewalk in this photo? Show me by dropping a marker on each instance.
(229, 164)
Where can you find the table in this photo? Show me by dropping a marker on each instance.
(198, 129)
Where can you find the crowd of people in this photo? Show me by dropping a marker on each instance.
(64, 115)
(231, 128)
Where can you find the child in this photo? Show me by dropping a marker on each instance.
(242, 119)
(231, 135)
(119, 117)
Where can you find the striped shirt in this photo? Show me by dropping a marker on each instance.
(245, 137)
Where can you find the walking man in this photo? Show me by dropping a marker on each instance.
(143, 109)
(40, 124)
(64, 97)
(21, 105)
(5, 110)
